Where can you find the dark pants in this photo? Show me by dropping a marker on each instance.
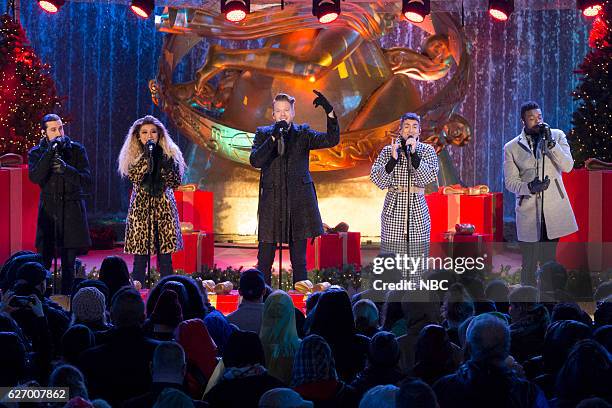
(297, 253)
(164, 265)
(68, 257)
(536, 254)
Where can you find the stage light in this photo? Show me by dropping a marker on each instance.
(589, 8)
(235, 10)
(501, 9)
(326, 11)
(142, 8)
(51, 6)
(415, 11)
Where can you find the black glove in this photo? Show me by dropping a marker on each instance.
(321, 100)
(404, 147)
(167, 163)
(58, 166)
(278, 126)
(537, 185)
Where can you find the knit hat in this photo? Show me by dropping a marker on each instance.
(167, 310)
(33, 273)
(384, 349)
(88, 305)
(252, 284)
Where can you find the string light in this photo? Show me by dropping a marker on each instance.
(27, 91)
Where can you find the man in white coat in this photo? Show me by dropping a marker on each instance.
(538, 148)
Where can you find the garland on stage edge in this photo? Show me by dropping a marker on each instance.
(348, 277)
(27, 91)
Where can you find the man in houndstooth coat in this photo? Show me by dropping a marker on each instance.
(390, 172)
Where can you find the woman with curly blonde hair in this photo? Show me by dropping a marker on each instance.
(154, 164)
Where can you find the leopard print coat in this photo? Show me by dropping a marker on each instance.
(164, 213)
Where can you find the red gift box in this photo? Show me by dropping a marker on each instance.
(590, 195)
(468, 246)
(198, 250)
(18, 211)
(226, 304)
(334, 251)
(195, 207)
(484, 211)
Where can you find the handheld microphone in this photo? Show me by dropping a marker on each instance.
(405, 148)
(283, 126)
(150, 146)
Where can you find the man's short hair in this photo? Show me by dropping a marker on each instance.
(415, 393)
(553, 276)
(488, 338)
(127, 308)
(168, 357)
(50, 117)
(411, 116)
(527, 106)
(524, 294)
(284, 97)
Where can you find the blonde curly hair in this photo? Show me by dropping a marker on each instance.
(132, 149)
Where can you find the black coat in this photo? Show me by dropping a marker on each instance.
(478, 386)
(302, 220)
(119, 369)
(71, 213)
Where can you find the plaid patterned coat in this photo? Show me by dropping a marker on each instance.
(394, 214)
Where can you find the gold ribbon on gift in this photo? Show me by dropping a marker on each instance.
(458, 189)
(224, 288)
(186, 227)
(188, 188)
(201, 236)
(209, 285)
(304, 287)
(321, 287)
(344, 238)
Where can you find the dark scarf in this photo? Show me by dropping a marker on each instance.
(152, 182)
(533, 138)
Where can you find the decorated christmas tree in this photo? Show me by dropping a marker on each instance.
(591, 136)
(27, 91)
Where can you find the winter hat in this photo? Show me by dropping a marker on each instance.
(384, 349)
(167, 310)
(252, 284)
(88, 305)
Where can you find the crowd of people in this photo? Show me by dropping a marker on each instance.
(475, 345)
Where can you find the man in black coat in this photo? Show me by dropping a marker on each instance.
(288, 145)
(119, 369)
(60, 166)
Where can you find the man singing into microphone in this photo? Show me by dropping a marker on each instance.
(403, 230)
(60, 166)
(538, 148)
(282, 151)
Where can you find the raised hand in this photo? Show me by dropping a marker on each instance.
(322, 101)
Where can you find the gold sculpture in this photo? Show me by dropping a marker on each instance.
(369, 86)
